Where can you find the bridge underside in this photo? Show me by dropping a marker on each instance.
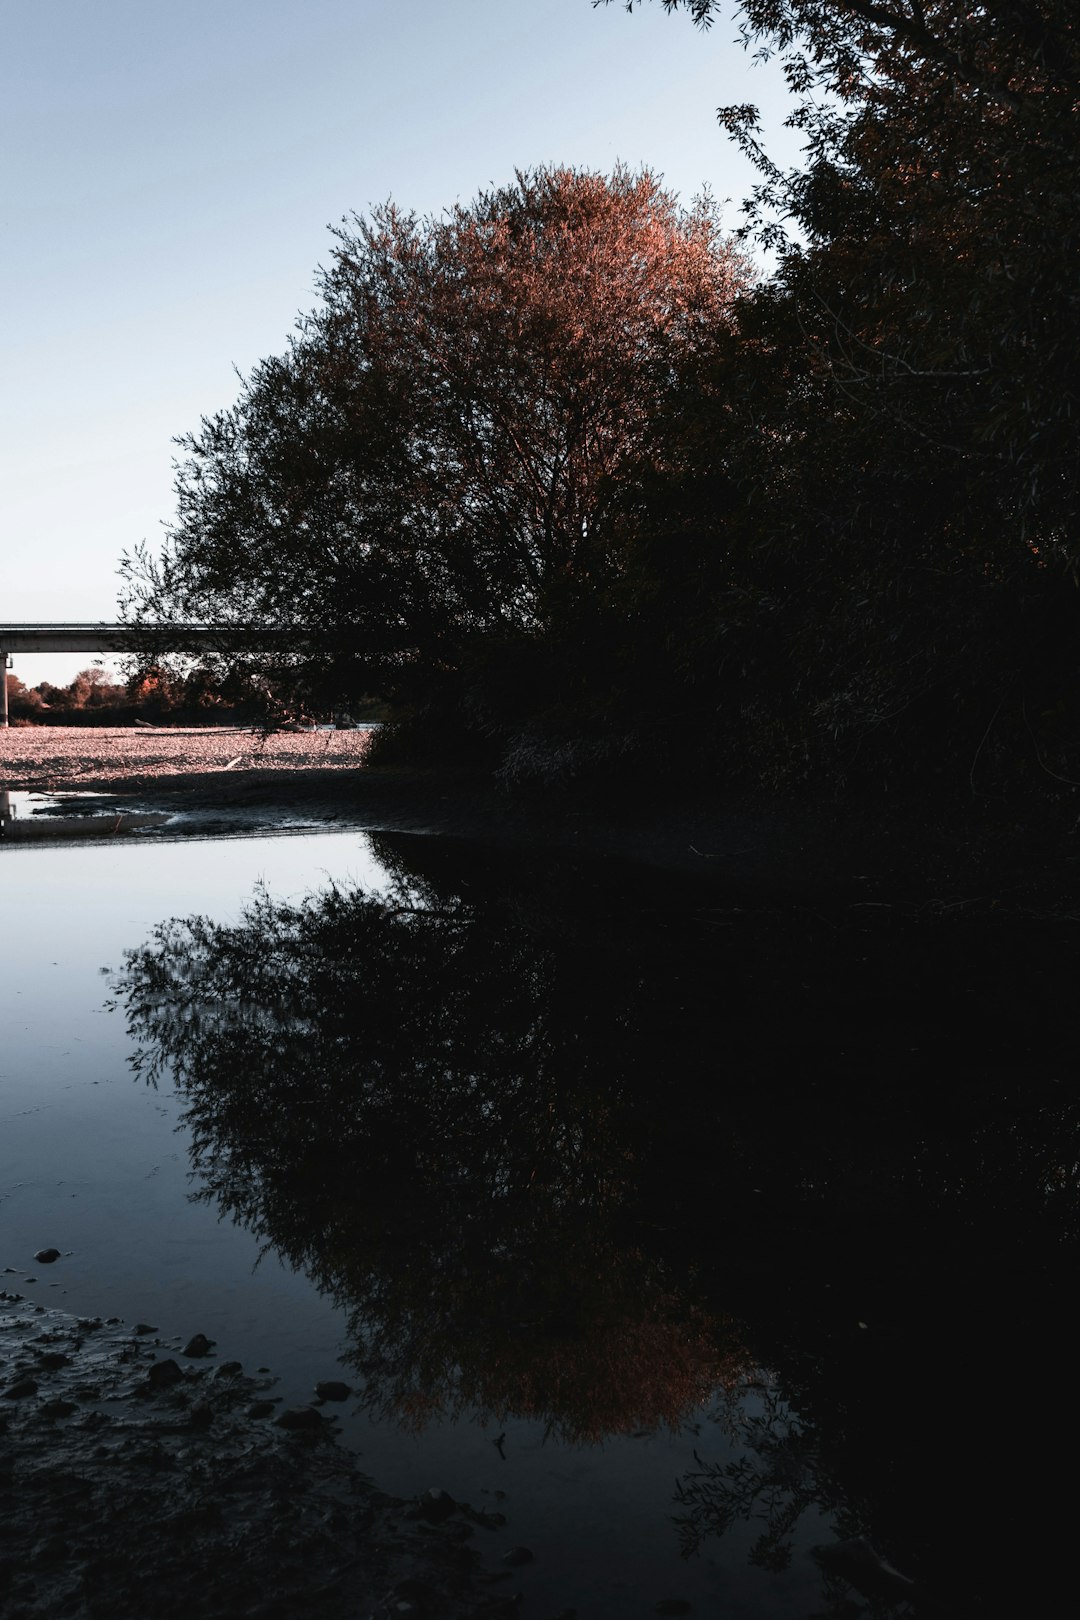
(105, 638)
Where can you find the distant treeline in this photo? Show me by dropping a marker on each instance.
(159, 697)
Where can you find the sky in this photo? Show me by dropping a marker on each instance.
(170, 174)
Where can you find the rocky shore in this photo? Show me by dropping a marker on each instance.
(141, 1476)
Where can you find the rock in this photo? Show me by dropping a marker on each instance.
(198, 1345)
(332, 1389)
(299, 1418)
(434, 1507)
(45, 1257)
(162, 1374)
(20, 1389)
(201, 1415)
(672, 1606)
(518, 1555)
(57, 1408)
(260, 1409)
(228, 1369)
(52, 1359)
(144, 1327)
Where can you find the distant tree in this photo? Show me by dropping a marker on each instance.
(433, 463)
(24, 702)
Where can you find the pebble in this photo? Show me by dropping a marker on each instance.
(198, 1345)
(144, 1327)
(434, 1506)
(57, 1408)
(331, 1389)
(20, 1389)
(50, 1360)
(162, 1374)
(45, 1257)
(299, 1418)
(519, 1555)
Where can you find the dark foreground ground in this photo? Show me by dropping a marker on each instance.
(137, 1480)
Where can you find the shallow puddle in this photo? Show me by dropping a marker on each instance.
(27, 816)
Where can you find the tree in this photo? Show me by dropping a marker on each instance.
(915, 360)
(429, 469)
(939, 203)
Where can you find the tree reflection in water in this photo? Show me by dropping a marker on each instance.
(565, 1147)
(433, 1104)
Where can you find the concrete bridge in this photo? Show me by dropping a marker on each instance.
(100, 637)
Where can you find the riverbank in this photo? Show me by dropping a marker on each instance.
(143, 1476)
(968, 852)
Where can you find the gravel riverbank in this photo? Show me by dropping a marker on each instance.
(52, 757)
(145, 1477)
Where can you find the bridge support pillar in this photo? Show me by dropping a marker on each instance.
(3, 689)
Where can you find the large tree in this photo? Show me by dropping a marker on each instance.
(431, 463)
(912, 548)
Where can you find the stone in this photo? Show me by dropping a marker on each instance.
(331, 1389)
(435, 1506)
(144, 1327)
(57, 1408)
(260, 1409)
(162, 1374)
(198, 1345)
(45, 1257)
(50, 1360)
(299, 1418)
(20, 1389)
(517, 1556)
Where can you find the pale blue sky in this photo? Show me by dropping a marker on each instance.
(169, 173)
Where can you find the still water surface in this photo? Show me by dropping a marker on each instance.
(665, 1228)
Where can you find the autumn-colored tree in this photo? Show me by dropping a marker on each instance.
(431, 465)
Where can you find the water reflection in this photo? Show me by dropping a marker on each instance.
(566, 1146)
(439, 1104)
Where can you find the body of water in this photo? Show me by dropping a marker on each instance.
(690, 1238)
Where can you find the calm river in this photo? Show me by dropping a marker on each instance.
(731, 1254)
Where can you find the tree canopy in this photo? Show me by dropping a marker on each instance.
(435, 456)
(914, 362)
(554, 471)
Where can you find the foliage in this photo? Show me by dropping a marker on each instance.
(423, 489)
(899, 591)
(156, 694)
(553, 476)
